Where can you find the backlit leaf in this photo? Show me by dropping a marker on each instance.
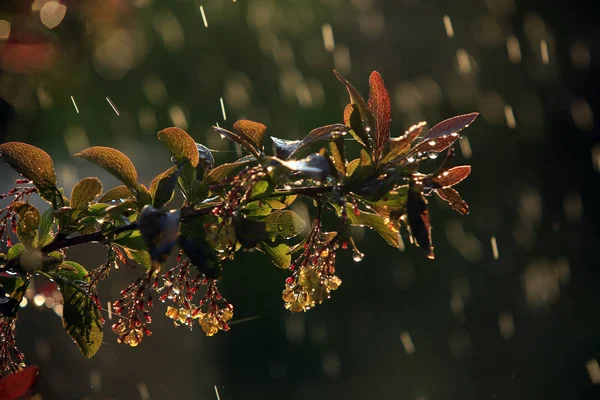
(223, 171)
(45, 234)
(451, 126)
(281, 202)
(452, 197)
(398, 147)
(386, 230)
(329, 132)
(452, 176)
(285, 223)
(119, 193)
(113, 161)
(34, 164)
(180, 144)
(242, 139)
(361, 120)
(84, 192)
(381, 107)
(279, 254)
(253, 132)
(29, 221)
(338, 156)
(81, 317)
(163, 186)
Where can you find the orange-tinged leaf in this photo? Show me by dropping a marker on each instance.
(242, 140)
(253, 132)
(115, 162)
(434, 145)
(31, 162)
(381, 107)
(84, 192)
(347, 113)
(180, 144)
(163, 186)
(222, 171)
(452, 197)
(452, 176)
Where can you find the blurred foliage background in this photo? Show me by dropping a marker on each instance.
(472, 324)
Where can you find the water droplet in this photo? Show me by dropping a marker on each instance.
(433, 155)
(410, 159)
(357, 256)
(432, 143)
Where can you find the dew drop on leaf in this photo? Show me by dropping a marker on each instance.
(357, 256)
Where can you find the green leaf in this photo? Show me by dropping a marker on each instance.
(14, 251)
(393, 203)
(120, 193)
(97, 209)
(113, 161)
(163, 186)
(45, 234)
(81, 317)
(140, 257)
(132, 240)
(373, 221)
(10, 284)
(285, 223)
(338, 156)
(258, 209)
(281, 202)
(29, 221)
(261, 188)
(280, 254)
(362, 169)
(180, 144)
(34, 164)
(84, 192)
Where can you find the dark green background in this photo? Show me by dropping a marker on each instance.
(279, 355)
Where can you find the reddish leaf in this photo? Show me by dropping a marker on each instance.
(434, 145)
(451, 126)
(253, 132)
(398, 147)
(381, 107)
(359, 105)
(452, 176)
(347, 114)
(16, 385)
(418, 220)
(452, 197)
(242, 139)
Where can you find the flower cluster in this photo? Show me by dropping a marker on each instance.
(11, 359)
(313, 276)
(8, 217)
(213, 312)
(135, 302)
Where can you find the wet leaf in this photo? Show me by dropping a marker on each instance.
(113, 161)
(29, 221)
(451, 126)
(84, 192)
(338, 156)
(324, 133)
(452, 176)
(283, 148)
(18, 384)
(10, 284)
(373, 221)
(398, 147)
(163, 186)
(45, 234)
(391, 205)
(452, 197)
(81, 316)
(284, 223)
(381, 107)
(180, 144)
(223, 171)
(118, 193)
(279, 254)
(206, 161)
(361, 119)
(33, 163)
(248, 231)
(418, 221)
(433, 145)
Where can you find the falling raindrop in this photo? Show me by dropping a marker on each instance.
(357, 256)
